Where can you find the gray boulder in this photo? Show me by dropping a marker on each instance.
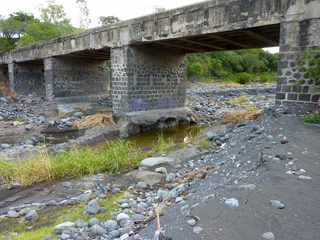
(150, 178)
(93, 207)
(32, 215)
(156, 162)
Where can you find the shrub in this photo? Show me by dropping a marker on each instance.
(312, 118)
(243, 78)
(267, 77)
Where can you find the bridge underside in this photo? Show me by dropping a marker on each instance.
(258, 37)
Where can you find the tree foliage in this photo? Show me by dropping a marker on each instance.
(311, 64)
(105, 21)
(231, 65)
(84, 14)
(21, 29)
(53, 13)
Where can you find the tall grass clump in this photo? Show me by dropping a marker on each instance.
(312, 118)
(112, 157)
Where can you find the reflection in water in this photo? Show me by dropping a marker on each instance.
(179, 134)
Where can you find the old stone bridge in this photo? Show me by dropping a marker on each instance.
(147, 53)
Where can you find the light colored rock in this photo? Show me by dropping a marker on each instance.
(248, 187)
(277, 204)
(232, 203)
(122, 216)
(97, 230)
(268, 236)
(32, 215)
(192, 222)
(162, 170)
(155, 162)
(63, 226)
(150, 178)
(303, 177)
(197, 230)
(12, 214)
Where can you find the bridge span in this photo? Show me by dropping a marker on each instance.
(147, 53)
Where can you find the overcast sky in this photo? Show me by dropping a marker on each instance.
(123, 9)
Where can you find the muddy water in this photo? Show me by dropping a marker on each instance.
(178, 135)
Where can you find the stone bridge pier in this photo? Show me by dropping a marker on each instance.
(146, 78)
(300, 32)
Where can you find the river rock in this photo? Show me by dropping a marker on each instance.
(93, 207)
(232, 203)
(122, 216)
(63, 227)
(97, 230)
(111, 225)
(277, 204)
(268, 236)
(155, 162)
(32, 215)
(12, 214)
(150, 178)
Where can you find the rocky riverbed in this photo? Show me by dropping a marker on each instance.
(244, 186)
(29, 123)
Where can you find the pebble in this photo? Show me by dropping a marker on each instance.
(97, 230)
(63, 227)
(93, 207)
(32, 215)
(122, 216)
(303, 177)
(277, 204)
(232, 202)
(268, 236)
(197, 230)
(192, 222)
(248, 187)
(12, 214)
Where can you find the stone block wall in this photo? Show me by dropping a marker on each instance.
(27, 78)
(295, 90)
(146, 79)
(70, 77)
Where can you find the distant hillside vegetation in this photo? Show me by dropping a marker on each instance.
(243, 66)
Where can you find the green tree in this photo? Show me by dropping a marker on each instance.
(53, 13)
(13, 28)
(104, 21)
(84, 13)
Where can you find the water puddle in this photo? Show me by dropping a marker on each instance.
(177, 135)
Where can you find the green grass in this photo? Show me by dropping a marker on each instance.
(113, 157)
(50, 217)
(312, 118)
(238, 100)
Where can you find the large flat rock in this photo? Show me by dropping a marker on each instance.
(155, 162)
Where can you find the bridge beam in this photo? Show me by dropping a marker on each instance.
(145, 78)
(299, 34)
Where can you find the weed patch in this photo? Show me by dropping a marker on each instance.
(50, 217)
(112, 157)
(238, 100)
(312, 118)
